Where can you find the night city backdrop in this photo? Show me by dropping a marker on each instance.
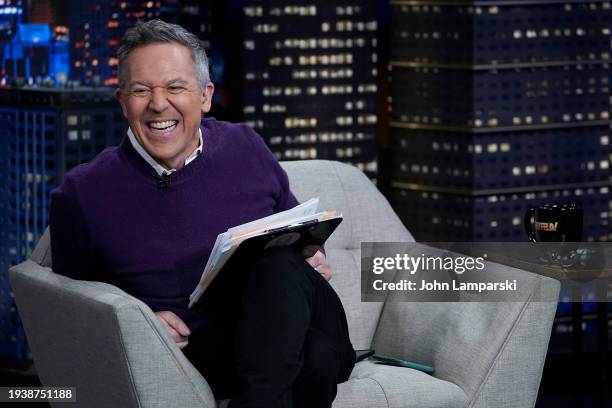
(465, 113)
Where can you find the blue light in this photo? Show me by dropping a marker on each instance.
(59, 61)
(11, 10)
(39, 34)
(15, 54)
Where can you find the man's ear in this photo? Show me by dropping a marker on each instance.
(121, 99)
(207, 95)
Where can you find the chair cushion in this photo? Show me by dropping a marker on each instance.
(379, 386)
(374, 385)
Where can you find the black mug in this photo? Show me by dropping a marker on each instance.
(554, 223)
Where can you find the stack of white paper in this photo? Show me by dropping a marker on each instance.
(227, 242)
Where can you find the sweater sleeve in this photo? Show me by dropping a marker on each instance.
(284, 197)
(70, 243)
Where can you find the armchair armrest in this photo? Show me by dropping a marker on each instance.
(494, 351)
(104, 342)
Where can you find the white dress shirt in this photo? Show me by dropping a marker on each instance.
(159, 169)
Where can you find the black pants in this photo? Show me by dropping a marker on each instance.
(274, 336)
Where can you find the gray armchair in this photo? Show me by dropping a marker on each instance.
(112, 348)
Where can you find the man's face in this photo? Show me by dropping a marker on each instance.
(163, 101)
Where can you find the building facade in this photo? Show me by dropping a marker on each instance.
(498, 107)
(45, 133)
(310, 72)
(96, 27)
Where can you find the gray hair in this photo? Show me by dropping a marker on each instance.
(158, 31)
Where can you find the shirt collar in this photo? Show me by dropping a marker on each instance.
(159, 169)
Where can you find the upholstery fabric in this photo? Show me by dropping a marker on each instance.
(97, 338)
(374, 385)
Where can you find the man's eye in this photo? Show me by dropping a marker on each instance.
(176, 89)
(140, 92)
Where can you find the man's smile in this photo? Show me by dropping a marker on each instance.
(162, 126)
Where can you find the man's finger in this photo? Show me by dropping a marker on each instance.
(177, 337)
(179, 325)
(325, 271)
(316, 259)
(312, 262)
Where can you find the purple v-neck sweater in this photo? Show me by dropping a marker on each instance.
(112, 221)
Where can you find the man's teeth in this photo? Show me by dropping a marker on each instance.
(163, 125)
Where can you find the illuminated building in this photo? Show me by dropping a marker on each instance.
(310, 79)
(96, 27)
(36, 53)
(208, 20)
(11, 15)
(44, 134)
(95, 30)
(496, 107)
(195, 16)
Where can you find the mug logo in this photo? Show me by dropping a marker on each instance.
(546, 226)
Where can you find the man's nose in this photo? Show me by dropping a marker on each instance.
(159, 100)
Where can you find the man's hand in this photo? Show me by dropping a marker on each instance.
(319, 262)
(176, 327)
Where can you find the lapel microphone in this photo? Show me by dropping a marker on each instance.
(163, 182)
